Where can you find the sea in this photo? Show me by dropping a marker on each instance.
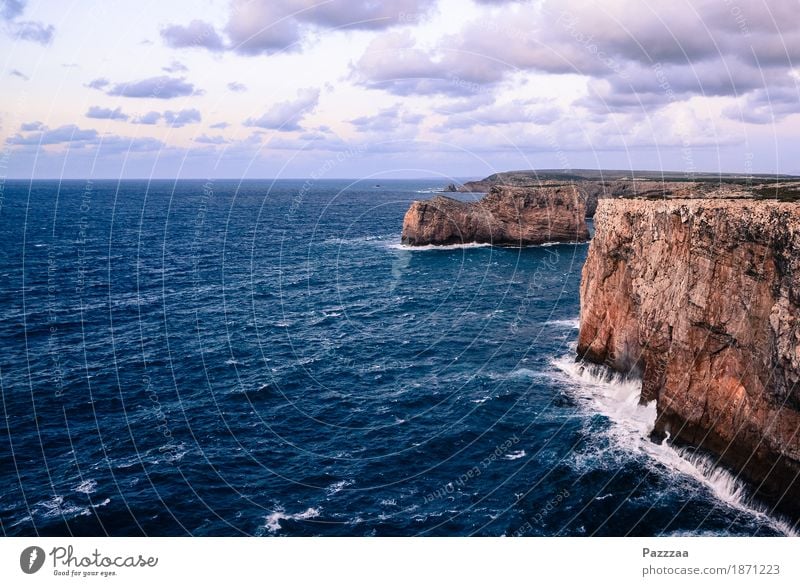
(264, 358)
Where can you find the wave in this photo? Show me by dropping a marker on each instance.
(338, 487)
(399, 246)
(87, 486)
(524, 373)
(273, 521)
(515, 455)
(574, 324)
(617, 397)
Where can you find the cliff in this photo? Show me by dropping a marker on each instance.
(700, 298)
(509, 216)
(595, 185)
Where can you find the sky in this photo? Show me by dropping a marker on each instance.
(396, 88)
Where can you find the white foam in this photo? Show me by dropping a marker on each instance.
(617, 397)
(523, 373)
(574, 324)
(57, 507)
(515, 455)
(87, 486)
(273, 521)
(398, 246)
(337, 487)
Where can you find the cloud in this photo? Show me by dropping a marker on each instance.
(220, 125)
(106, 113)
(235, 86)
(765, 106)
(196, 34)
(150, 118)
(182, 117)
(516, 112)
(26, 30)
(35, 32)
(98, 83)
(64, 134)
(287, 115)
(257, 27)
(18, 73)
(203, 139)
(387, 120)
(162, 87)
(11, 9)
(636, 55)
(394, 62)
(28, 126)
(175, 67)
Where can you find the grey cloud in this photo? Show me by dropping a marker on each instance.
(175, 67)
(34, 31)
(262, 27)
(203, 139)
(220, 125)
(24, 30)
(713, 49)
(106, 113)
(386, 120)
(11, 9)
(257, 27)
(196, 34)
(28, 126)
(766, 106)
(18, 73)
(235, 86)
(516, 112)
(182, 117)
(98, 83)
(150, 118)
(395, 63)
(162, 87)
(287, 115)
(69, 133)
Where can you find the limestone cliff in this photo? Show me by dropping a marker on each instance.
(508, 216)
(701, 298)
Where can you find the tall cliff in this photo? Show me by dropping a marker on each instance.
(511, 216)
(700, 298)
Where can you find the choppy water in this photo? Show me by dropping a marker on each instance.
(264, 358)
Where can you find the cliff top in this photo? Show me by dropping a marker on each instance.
(649, 184)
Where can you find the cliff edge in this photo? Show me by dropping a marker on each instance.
(506, 216)
(701, 299)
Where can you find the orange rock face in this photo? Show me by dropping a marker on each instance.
(510, 216)
(701, 298)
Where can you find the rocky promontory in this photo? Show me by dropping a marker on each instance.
(506, 216)
(701, 298)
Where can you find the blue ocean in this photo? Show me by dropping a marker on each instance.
(265, 358)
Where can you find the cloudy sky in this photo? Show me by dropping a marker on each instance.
(406, 88)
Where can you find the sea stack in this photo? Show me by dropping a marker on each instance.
(506, 216)
(700, 297)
